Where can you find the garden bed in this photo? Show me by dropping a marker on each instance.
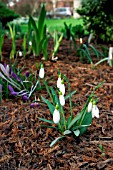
(25, 144)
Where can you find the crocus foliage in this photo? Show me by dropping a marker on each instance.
(18, 85)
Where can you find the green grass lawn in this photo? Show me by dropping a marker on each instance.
(57, 24)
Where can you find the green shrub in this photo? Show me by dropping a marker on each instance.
(98, 18)
(6, 14)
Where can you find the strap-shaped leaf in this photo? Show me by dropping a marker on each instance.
(50, 106)
(87, 120)
(74, 120)
(94, 50)
(53, 142)
(41, 21)
(45, 120)
(67, 132)
(67, 96)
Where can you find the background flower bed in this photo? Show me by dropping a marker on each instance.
(25, 144)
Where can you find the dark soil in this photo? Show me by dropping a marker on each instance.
(25, 145)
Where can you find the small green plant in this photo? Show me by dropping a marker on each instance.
(13, 37)
(76, 125)
(38, 34)
(78, 31)
(67, 30)
(57, 42)
(86, 52)
(102, 149)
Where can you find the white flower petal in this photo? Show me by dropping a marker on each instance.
(20, 53)
(59, 82)
(30, 43)
(56, 116)
(95, 111)
(90, 105)
(62, 89)
(41, 73)
(62, 100)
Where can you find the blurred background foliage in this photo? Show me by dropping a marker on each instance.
(98, 18)
(6, 14)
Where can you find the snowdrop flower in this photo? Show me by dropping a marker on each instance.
(20, 53)
(110, 56)
(62, 99)
(90, 105)
(59, 81)
(62, 87)
(95, 111)
(56, 115)
(81, 40)
(41, 72)
(30, 43)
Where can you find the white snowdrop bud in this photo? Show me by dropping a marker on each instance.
(59, 81)
(90, 105)
(56, 115)
(95, 111)
(62, 99)
(41, 71)
(62, 87)
(20, 53)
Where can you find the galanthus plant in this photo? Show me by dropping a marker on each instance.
(73, 124)
(18, 84)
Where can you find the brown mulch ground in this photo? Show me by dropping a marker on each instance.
(24, 144)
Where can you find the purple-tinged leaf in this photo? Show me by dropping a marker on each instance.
(16, 77)
(10, 88)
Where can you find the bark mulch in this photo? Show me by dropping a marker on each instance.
(25, 144)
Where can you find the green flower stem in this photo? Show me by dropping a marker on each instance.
(48, 90)
(70, 99)
(63, 116)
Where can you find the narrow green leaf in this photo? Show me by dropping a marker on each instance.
(53, 142)
(87, 120)
(87, 54)
(94, 50)
(69, 120)
(70, 94)
(41, 20)
(45, 120)
(74, 121)
(50, 106)
(55, 97)
(67, 132)
(104, 59)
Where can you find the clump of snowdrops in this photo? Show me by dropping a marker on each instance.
(73, 124)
